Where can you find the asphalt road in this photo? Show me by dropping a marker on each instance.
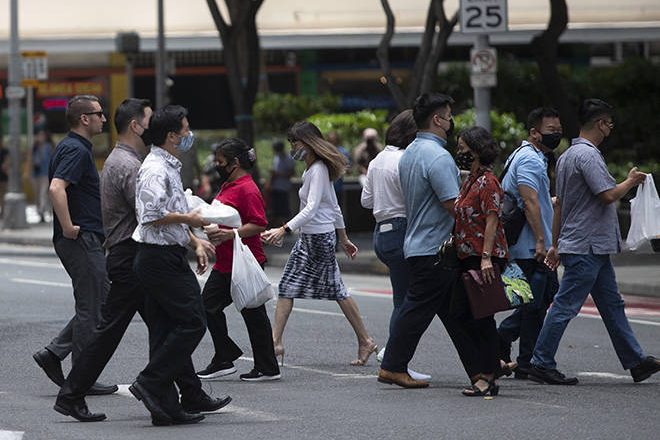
(321, 396)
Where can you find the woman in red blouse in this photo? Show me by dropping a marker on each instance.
(233, 160)
(480, 243)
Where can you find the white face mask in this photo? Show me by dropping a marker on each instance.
(299, 154)
(186, 142)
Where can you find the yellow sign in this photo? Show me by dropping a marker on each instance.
(35, 68)
(51, 89)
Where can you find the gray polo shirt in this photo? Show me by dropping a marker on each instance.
(118, 194)
(588, 226)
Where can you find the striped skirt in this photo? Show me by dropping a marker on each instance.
(312, 271)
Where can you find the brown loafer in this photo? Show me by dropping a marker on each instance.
(402, 379)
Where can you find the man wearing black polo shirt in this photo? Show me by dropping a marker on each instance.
(78, 234)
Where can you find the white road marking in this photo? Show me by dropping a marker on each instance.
(123, 391)
(41, 283)
(28, 263)
(634, 321)
(259, 415)
(319, 371)
(11, 435)
(317, 312)
(358, 292)
(603, 375)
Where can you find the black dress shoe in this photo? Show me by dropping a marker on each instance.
(151, 401)
(78, 411)
(179, 418)
(645, 369)
(550, 376)
(205, 403)
(51, 364)
(99, 389)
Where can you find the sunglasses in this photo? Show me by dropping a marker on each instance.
(99, 113)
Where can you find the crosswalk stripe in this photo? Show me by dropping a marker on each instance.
(39, 282)
(11, 435)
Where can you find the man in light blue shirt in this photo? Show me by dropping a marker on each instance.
(527, 180)
(430, 183)
(585, 233)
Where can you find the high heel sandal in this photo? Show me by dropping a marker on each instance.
(363, 354)
(279, 351)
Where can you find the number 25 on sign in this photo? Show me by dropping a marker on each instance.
(483, 16)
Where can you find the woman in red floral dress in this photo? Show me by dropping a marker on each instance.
(480, 243)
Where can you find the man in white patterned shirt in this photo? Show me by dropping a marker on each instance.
(174, 305)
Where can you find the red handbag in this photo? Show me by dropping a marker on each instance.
(485, 298)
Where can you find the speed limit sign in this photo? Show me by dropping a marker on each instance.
(483, 16)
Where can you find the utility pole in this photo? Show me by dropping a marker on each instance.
(14, 215)
(161, 98)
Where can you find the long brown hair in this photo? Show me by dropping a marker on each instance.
(310, 135)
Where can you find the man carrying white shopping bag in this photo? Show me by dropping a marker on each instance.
(644, 216)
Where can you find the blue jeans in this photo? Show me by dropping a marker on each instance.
(388, 246)
(526, 321)
(584, 274)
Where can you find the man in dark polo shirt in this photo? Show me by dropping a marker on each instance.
(78, 234)
(127, 295)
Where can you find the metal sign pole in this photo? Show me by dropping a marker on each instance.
(14, 217)
(482, 94)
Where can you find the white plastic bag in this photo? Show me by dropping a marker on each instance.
(250, 287)
(644, 215)
(214, 213)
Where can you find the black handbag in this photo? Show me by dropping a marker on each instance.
(513, 218)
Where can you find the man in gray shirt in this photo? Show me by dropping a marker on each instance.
(585, 233)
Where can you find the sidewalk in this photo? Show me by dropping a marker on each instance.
(637, 273)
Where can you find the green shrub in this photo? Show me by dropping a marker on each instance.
(506, 130)
(274, 113)
(349, 126)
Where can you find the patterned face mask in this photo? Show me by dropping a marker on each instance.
(186, 142)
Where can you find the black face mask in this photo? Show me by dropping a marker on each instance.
(224, 174)
(464, 160)
(450, 130)
(551, 140)
(146, 138)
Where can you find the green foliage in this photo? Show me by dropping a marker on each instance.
(349, 126)
(274, 113)
(506, 130)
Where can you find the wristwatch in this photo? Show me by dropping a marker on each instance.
(286, 228)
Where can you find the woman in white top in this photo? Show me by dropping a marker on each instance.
(312, 271)
(382, 193)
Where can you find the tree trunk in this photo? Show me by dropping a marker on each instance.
(432, 47)
(544, 46)
(242, 52)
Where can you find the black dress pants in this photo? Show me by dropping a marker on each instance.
(175, 314)
(217, 296)
(126, 297)
(428, 296)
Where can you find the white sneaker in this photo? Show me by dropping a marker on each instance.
(418, 376)
(380, 355)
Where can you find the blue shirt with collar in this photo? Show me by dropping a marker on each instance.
(529, 167)
(73, 162)
(428, 176)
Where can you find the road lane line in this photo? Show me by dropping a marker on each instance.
(28, 263)
(635, 321)
(41, 283)
(11, 435)
(317, 312)
(603, 375)
(319, 371)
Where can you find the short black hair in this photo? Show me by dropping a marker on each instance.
(593, 109)
(163, 121)
(278, 145)
(402, 130)
(235, 148)
(129, 109)
(426, 105)
(78, 106)
(480, 141)
(535, 117)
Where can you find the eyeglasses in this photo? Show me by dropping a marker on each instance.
(99, 113)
